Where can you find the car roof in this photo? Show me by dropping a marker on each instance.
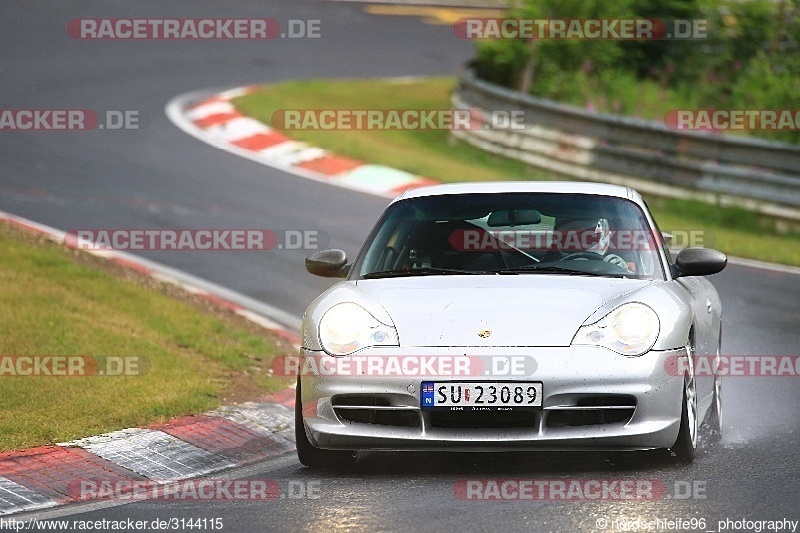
(489, 187)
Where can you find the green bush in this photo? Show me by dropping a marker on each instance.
(749, 60)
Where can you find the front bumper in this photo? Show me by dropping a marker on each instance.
(571, 377)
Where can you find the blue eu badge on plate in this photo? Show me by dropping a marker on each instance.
(427, 394)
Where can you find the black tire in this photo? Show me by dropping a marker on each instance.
(713, 422)
(685, 447)
(307, 453)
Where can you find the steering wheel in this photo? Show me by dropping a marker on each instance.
(582, 255)
(616, 260)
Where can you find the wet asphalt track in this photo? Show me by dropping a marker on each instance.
(159, 177)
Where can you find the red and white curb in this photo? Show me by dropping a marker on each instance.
(183, 448)
(214, 120)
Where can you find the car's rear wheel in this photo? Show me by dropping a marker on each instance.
(307, 453)
(685, 447)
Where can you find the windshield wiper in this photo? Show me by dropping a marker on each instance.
(555, 269)
(424, 271)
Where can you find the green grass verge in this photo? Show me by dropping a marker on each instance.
(425, 152)
(54, 301)
(436, 155)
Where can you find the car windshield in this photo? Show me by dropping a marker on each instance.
(512, 234)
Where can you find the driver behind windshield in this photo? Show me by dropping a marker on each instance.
(577, 239)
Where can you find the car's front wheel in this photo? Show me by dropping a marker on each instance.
(685, 447)
(307, 453)
(713, 421)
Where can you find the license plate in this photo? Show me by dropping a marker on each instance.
(480, 395)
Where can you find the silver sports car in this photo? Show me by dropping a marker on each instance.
(510, 316)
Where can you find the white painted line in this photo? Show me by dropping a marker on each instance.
(177, 277)
(275, 152)
(15, 498)
(298, 155)
(290, 153)
(237, 128)
(763, 265)
(234, 93)
(55, 235)
(211, 108)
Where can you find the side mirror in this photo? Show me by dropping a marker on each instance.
(328, 264)
(700, 262)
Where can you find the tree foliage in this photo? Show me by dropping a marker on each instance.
(750, 57)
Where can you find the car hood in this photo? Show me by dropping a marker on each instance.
(517, 310)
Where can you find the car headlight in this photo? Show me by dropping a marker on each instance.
(630, 329)
(348, 327)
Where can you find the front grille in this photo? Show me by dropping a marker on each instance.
(575, 417)
(360, 400)
(484, 419)
(370, 409)
(592, 411)
(607, 401)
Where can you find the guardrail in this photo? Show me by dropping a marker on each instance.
(755, 173)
